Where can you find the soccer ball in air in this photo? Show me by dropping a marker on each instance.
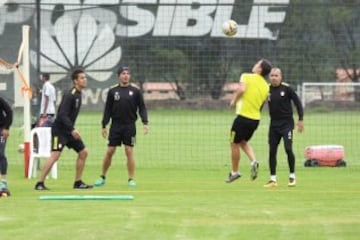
(229, 28)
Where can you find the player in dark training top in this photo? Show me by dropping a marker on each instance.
(64, 133)
(282, 124)
(122, 104)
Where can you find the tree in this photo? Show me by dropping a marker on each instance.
(170, 65)
(303, 50)
(343, 23)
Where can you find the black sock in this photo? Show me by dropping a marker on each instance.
(103, 176)
(130, 179)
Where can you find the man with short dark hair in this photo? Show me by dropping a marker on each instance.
(64, 133)
(122, 104)
(282, 124)
(248, 100)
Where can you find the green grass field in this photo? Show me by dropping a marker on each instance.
(181, 193)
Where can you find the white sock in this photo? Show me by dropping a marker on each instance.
(273, 178)
(234, 173)
(253, 162)
(292, 175)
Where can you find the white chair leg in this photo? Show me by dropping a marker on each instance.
(44, 149)
(54, 171)
(35, 166)
(31, 163)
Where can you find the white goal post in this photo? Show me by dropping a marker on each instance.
(328, 91)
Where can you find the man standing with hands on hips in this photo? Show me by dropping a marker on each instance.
(122, 104)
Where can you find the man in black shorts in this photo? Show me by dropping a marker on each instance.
(64, 133)
(247, 100)
(282, 124)
(122, 103)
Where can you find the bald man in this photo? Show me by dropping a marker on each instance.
(282, 124)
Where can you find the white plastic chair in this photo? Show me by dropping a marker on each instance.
(43, 150)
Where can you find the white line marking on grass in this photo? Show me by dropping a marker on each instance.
(285, 222)
(4, 218)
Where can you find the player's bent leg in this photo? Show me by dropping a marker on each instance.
(254, 163)
(129, 151)
(40, 185)
(105, 166)
(108, 159)
(80, 164)
(235, 159)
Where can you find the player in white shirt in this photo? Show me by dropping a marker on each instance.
(48, 99)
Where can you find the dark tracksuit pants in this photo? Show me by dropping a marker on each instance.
(281, 129)
(3, 160)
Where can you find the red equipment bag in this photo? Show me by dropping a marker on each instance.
(324, 155)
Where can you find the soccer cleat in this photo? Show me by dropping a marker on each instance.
(254, 170)
(40, 186)
(81, 185)
(232, 177)
(292, 182)
(131, 183)
(271, 184)
(99, 182)
(4, 192)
